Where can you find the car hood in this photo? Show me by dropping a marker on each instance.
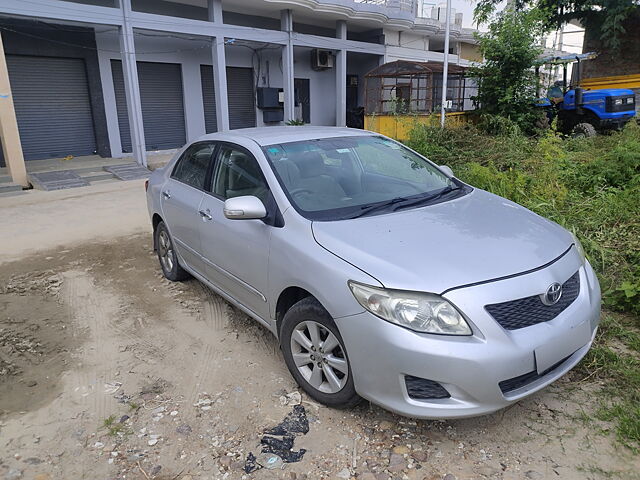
(475, 238)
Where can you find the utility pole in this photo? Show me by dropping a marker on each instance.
(445, 70)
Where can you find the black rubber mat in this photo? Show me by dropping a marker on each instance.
(58, 180)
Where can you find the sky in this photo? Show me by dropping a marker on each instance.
(572, 41)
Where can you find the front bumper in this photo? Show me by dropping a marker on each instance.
(471, 368)
(617, 123)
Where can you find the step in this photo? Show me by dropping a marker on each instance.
(6, 187)
(96, 175)
(57, 180)
(128, 171)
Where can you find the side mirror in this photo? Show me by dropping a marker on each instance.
(446, 169)
(244, 208)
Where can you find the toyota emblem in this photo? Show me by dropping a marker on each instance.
(552, 295)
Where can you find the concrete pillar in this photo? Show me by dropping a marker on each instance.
(288, 74)
(220, 83)
(11, 146)
(341, 76)
(192, 97)
(214, 8)
(131, 85)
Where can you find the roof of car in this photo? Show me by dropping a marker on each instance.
(276, 135)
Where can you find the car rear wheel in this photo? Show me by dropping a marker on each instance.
(316, 356)
(167, 255)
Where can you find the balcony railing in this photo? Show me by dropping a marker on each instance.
(409, 6)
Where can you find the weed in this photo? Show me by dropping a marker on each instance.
(591, 187)
(113, 427)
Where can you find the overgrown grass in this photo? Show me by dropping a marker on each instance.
(591, 187)
(614, 359)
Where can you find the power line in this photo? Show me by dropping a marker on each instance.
(86, 47)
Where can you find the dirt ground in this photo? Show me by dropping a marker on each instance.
(109, 371)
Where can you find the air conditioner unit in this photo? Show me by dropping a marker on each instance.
(321, 59)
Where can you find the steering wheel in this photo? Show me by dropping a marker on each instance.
(298, 191)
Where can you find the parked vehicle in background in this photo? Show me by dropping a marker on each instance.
(383, 276)
(582, 112)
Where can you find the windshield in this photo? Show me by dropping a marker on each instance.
(348, 177)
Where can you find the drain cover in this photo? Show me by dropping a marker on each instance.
(57, 180)
(128, 171)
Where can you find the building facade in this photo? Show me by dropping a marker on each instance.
(123, 77)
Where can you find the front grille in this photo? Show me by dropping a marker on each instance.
(523, 380)
(423, 389)
(628, 104)
(528, 311)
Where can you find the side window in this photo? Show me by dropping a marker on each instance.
(237, 173)
(192, 166)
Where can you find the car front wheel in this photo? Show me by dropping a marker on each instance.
(316, 356)
(167, 255)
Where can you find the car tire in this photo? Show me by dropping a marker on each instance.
(583, 130)
(325, 375)
(167, 255)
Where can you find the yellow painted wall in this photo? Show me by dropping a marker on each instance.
(469, 51)
(399, 126)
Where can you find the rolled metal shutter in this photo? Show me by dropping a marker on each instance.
(53, 109)
(240, 94)
(242, 110)
(208, 98)
(162, 105)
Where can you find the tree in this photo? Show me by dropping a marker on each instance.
(606, 17)
(506, 79)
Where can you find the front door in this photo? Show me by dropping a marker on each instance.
(181, 196)
(236, 251)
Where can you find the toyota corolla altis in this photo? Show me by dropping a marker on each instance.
(383, 276)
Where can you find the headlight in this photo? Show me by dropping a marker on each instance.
(629, 100)
(617, 101)
(578, 245)
(422, 312)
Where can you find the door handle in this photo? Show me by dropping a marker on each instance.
(166, 194)
(204, 215)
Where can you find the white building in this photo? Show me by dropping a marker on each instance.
(202, 65)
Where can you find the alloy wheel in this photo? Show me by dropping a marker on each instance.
(165, 250)
(319, 357)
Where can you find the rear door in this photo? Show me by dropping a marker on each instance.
(236, 251)
(180, 199)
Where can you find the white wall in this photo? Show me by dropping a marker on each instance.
(190, 54)
(322, 86)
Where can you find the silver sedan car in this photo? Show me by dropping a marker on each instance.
(383, 276)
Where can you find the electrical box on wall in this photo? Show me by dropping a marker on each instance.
(321, 59)
(268, 97)
(272, 116)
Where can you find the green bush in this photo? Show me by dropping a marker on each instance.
(590, 186)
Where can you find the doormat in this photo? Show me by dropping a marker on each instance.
(57, 180)
(128, 171)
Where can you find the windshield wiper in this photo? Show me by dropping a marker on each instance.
(366, 209)
(418, 201)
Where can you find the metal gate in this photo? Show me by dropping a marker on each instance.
(52, 104)
(162, 105)
(240, 94)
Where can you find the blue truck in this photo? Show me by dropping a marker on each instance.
(581, 112)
